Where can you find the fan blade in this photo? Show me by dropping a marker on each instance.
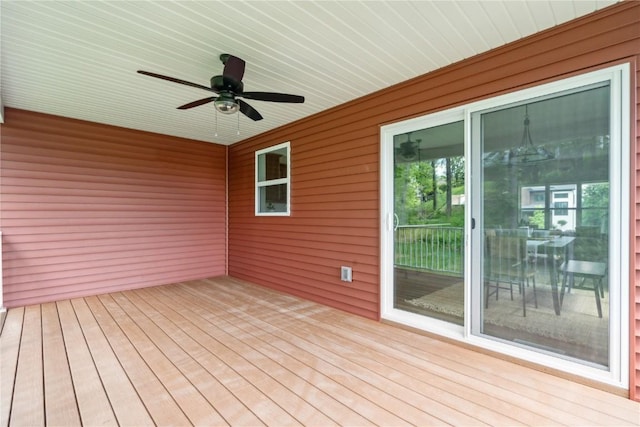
(173, 79)
(249, 111)
(233, 68)
(196, 103)
(273, 97)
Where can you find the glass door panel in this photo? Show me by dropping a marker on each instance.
(428, 204)
(545, 228)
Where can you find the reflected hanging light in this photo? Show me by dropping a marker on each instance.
(526, 152)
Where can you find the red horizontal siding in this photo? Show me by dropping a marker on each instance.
(335, 175)
(634, 296)
(334, 222)
(88, 208)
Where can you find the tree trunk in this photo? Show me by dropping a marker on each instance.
(449, 189)
(435, 186)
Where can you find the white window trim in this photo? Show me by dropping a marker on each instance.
(279, 181)
(618, 373)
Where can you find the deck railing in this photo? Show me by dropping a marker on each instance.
(431, 247)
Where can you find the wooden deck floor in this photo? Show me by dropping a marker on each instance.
(221, 351)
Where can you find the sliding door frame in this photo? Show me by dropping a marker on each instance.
(388, 311)
(618, 372)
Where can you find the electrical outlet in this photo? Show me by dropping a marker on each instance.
(346, 274)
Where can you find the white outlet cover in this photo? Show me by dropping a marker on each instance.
(345, 274)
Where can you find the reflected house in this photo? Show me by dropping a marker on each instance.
(558, 214)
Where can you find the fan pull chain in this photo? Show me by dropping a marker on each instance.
(238, 114)
(216, 134)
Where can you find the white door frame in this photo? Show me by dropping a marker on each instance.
(618, 374)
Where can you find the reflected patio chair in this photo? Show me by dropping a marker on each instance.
(588, 262)
(507, 265)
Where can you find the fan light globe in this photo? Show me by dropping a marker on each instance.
(226, 106)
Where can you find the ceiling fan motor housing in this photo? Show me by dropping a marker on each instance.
(226, 84)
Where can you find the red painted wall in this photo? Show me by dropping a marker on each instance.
(335, 175)
(88, 208)
(334, 218)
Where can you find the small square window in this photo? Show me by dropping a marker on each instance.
(273, 180)
(561, 208)
(538, 196)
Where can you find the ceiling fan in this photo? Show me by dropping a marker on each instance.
(408, 150)
(229, 89)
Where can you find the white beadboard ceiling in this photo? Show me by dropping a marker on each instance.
(79, 59)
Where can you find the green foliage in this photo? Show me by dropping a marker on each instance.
(419, 201)
(595, 204)
(537, 219)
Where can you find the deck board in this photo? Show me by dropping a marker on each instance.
(417, 367)
(9, 350)
(61, 407)
(354, 399)
(225, 352)
(299, 378)
(197, 409)
(27, 406)
(369, 359)
(93, 403)
(158, 401)
(239, 356)
(126, 403)
(227, 333)
(376, 387)
(494, 373)
(166, 336)
(588, 402)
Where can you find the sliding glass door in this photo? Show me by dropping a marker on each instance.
(545, 175)
(428, 235)
(505, 224)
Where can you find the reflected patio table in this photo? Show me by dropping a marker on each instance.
(559, 245)
(563, 245)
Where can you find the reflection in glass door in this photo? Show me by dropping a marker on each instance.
(429, 212)
(545, 223)
(538, 268)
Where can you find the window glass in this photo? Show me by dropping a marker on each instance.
(273, 198)
(272, 180)
(429, 207)
(273, 165)
(546, 200)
